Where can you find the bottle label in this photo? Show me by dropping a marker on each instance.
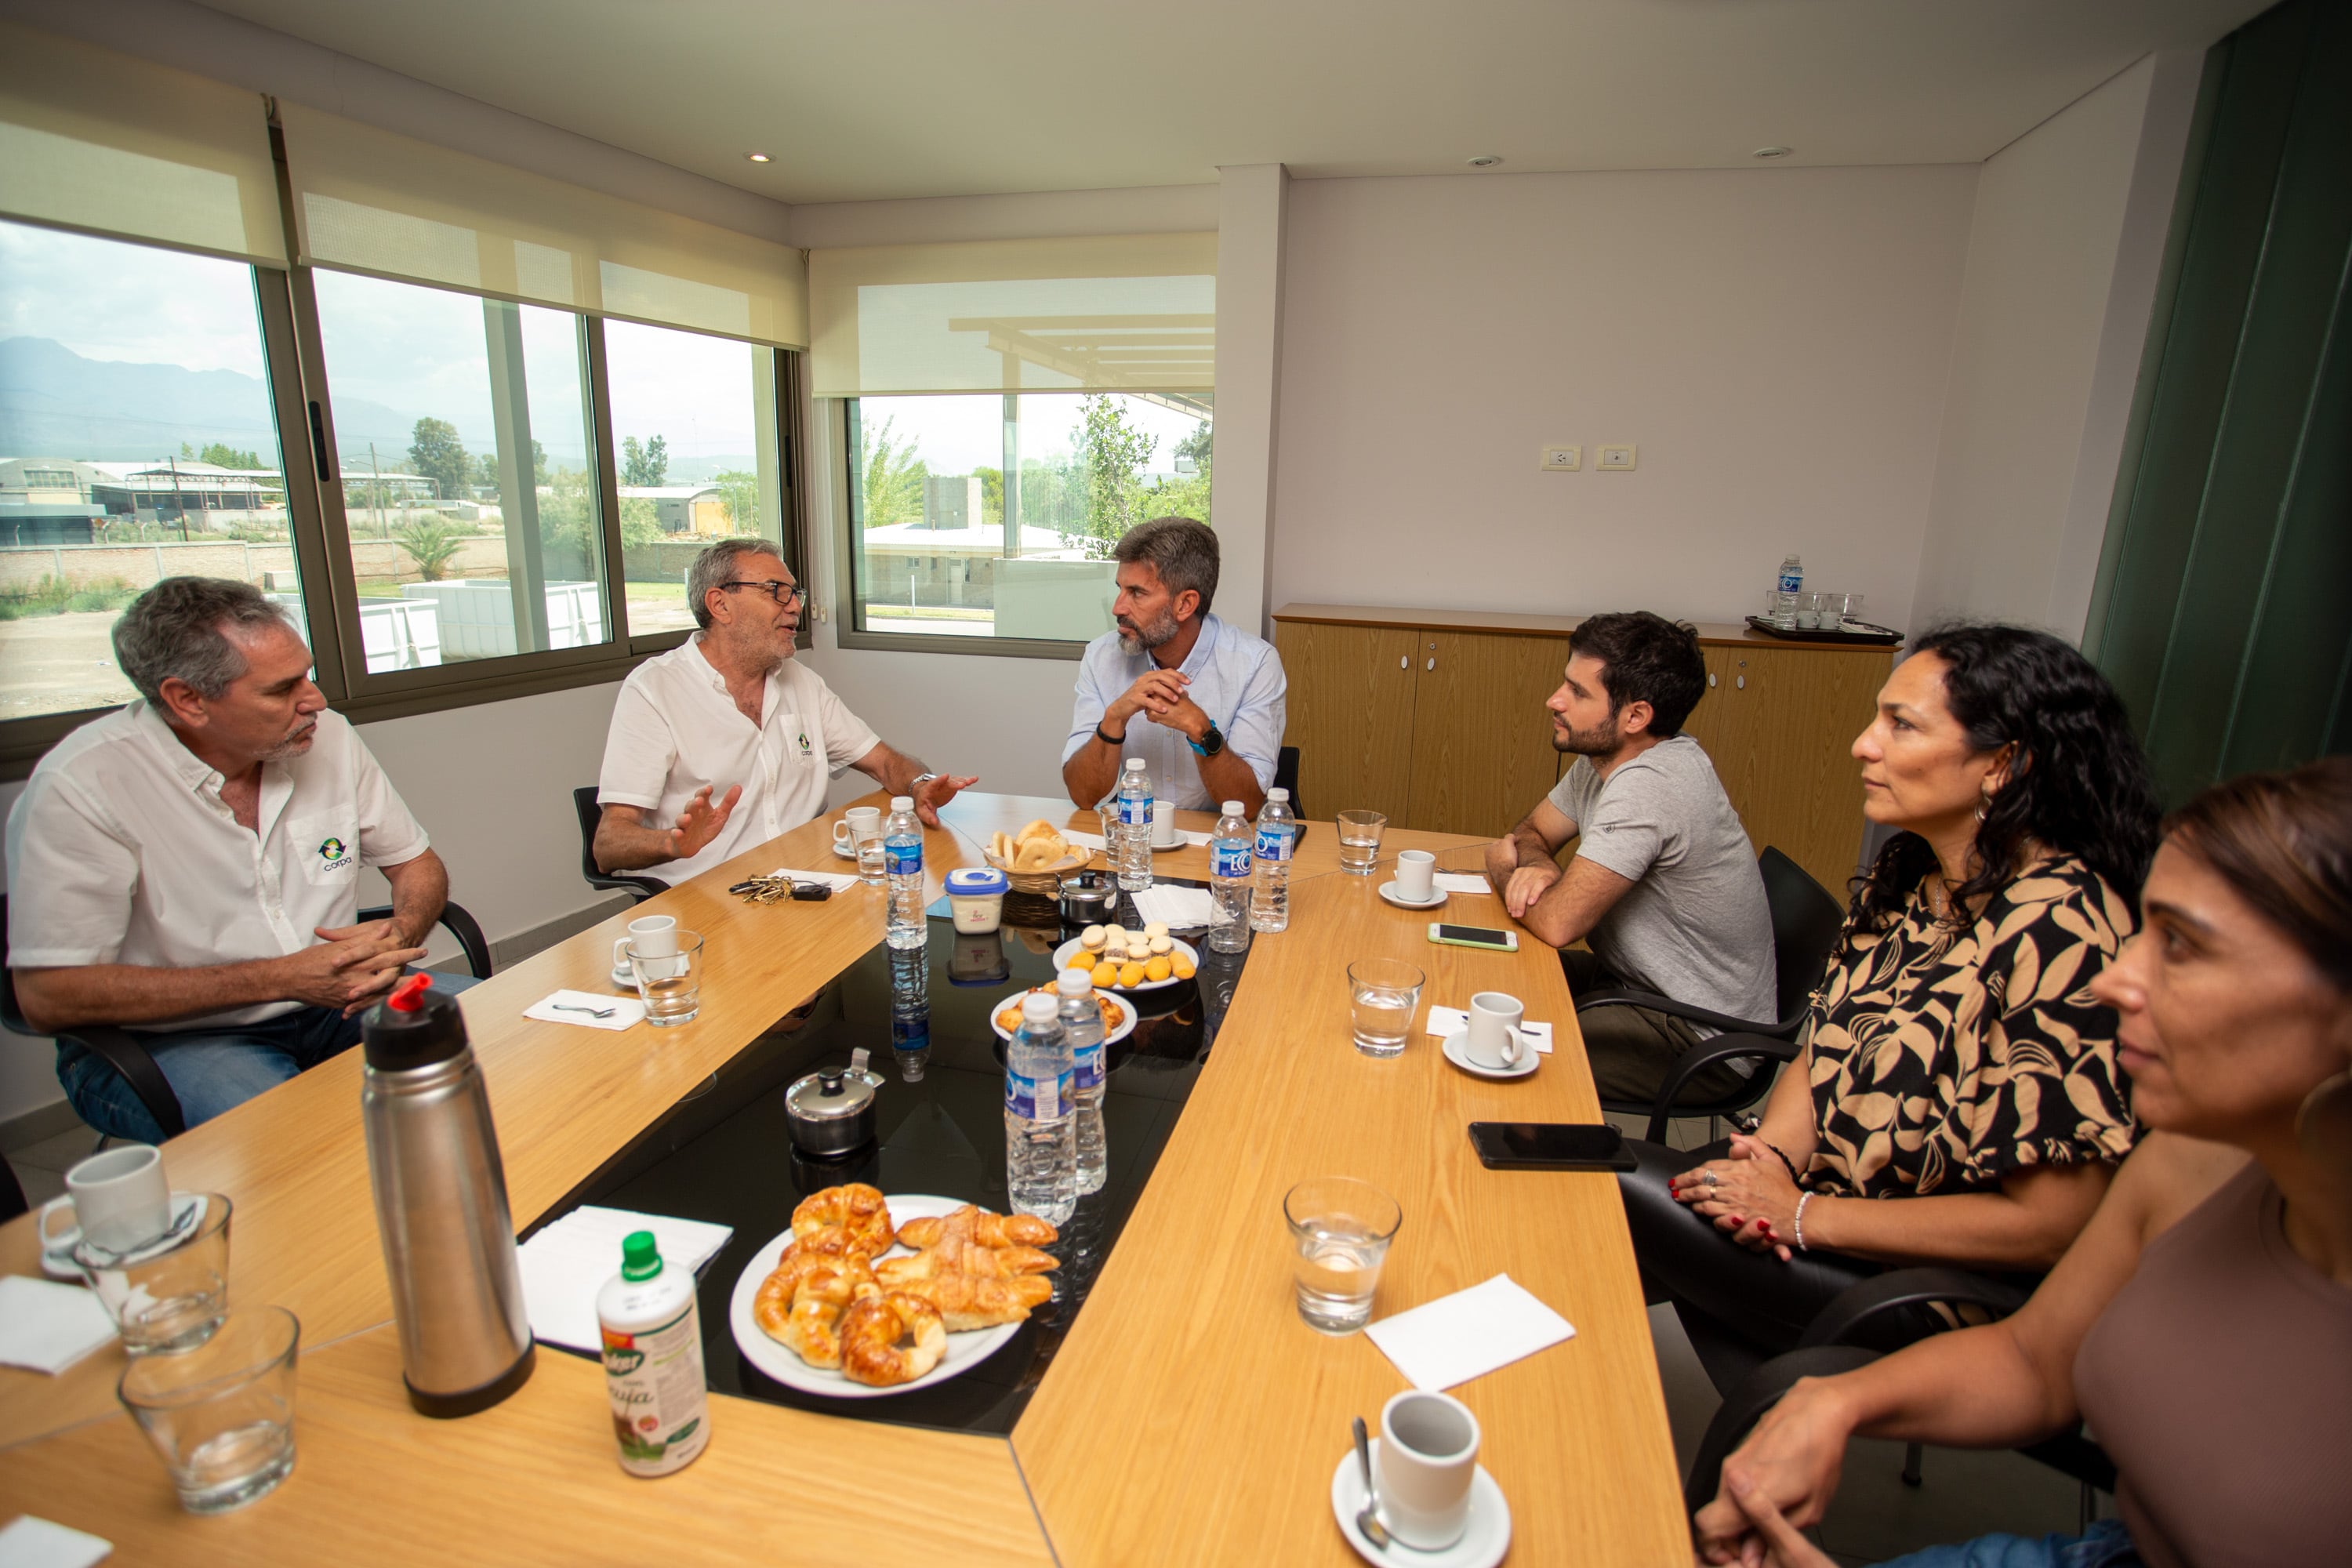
(1273, 843)
(659, 1400)
(1791, 580)
(1136, 813)
(1229, 858)
(1085, 1066)
(904, 859)
(1036, 1098)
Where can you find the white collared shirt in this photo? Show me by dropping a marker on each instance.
(121, 850)
(675, 729)
(1237, 681)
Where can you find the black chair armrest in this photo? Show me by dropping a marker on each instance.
(1785, 1029)
(643, 887)
(1748, 1400)
(1705, 1055)
(459, 924)
(1857, 1304)
(127, 1057)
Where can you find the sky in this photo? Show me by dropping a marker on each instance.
(957, 434)
(108, 300)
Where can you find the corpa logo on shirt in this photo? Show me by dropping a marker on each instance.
(805, 751)
(334, 853)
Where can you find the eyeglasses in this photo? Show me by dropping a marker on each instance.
(782, 592)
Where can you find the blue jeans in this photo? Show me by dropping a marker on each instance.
(2106, 1544)
(211, 1070)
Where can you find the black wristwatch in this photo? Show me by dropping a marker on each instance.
(1211, 742)
(1114, 741)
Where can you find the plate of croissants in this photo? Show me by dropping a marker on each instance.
(867, 1295)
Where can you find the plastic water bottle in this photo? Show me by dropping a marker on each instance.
(1134, 827)
(1792, 575)
(1229, 881)
(1040, 1156)
(902, 855)
(1270, 904)
(1082, 1029)
(910, 1011)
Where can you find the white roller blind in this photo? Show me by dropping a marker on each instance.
(101, 141)
(372, 200)
(1117, 312)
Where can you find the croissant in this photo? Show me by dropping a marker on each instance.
(857, 1208)
(988, 1229)
(967, 1302)
(892, 1339)
(980, 1262)
(801, 1305)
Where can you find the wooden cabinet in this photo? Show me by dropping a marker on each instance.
(1436, 719)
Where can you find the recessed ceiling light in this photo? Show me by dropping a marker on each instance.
(764, 158)
(1485, 161)
(1773, 151)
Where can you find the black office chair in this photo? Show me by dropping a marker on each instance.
(1805, 925)
(584, 802)
(1286, 776)
(128, 1055)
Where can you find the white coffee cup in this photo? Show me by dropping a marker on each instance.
(1165, 833)
(857, 824)
(650, 936)
(1415, 873)
(121, 1197)
(1428, 1458)
(1495, 1039)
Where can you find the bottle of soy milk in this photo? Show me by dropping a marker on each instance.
(653, 1360)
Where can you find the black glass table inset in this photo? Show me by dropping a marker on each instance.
(726, 1154)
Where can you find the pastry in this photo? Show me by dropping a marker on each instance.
(967, 1302)
(891, 1339)
(855, 1208)
(1155, 930)
(1157, 967)
(987, 1228)
(1162, 944)
(1181, 966)
(1130, 973)
(1106, 974)
(801, 1304)
(1092, 938)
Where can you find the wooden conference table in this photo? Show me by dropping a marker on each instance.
(1189, 1417)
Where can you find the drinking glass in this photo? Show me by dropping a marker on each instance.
(1360, 841)
(670, 984)
(221, 1416)
(1384, 994)
(1780, 609)
(1809, 610)
(1341, 1229)
(165, 1294)
(873, 859)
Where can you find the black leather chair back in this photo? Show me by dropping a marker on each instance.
(1805, 924)
(584, 804)
(1286, 776)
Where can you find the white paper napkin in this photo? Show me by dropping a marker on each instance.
(837, 880)
(1460, 882)
(1444, 1343)
(565, 1265)
(1180, 908)
(33, 1542)
(46, 1326)
(626, 1010)
(1445, 1021)
(1095, 841)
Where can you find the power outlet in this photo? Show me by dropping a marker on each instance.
(1563, 460)
(1615, 458)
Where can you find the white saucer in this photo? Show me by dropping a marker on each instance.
(844, 851)
(1455, 1047)
(622, 977)
(188, 1213)
(1482, 1545)
(1388, 891)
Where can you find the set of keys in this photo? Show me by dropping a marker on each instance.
(775, 890)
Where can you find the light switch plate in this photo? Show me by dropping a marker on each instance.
(1563, 460)
(1615, 458)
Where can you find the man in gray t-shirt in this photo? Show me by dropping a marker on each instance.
(1663, 887)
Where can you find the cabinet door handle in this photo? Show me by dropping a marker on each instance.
(1710, 680)
(1404, 661)
(1741, 683)
(1431, 665)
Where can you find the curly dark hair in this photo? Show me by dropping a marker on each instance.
(2078, 785)
(1645, 657)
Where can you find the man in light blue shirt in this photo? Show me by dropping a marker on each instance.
(1199, 700)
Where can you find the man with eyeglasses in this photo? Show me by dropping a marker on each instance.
(727, 740)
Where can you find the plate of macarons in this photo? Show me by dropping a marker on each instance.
(1124, 959)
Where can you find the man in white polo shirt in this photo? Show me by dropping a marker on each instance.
(731, 714)
(189, 865)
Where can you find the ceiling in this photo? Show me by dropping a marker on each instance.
(860, 99)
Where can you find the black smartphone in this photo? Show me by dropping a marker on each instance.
(1551, 1146)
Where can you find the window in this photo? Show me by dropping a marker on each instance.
(472, 514)
(699, 456)
(931, 480)
(136, 417)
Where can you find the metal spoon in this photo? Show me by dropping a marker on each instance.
(1368, 1518)
(591, 1011)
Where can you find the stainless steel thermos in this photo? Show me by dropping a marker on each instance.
(441, 1206)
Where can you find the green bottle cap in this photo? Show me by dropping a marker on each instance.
(640, 1259)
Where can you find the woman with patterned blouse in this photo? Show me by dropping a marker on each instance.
(1955, 1058)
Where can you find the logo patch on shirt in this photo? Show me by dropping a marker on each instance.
(805, 752)
(334, 852)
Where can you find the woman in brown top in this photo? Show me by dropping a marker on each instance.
(2203, 1323)
(1954, 1059)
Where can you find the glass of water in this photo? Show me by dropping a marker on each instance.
(873, 868)
(221, 1416)
(1360, 841)
(670, 983)
(1339, 1229)
(166, 1294)
(1384, 994)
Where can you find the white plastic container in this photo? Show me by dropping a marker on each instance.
(653, 1360)
(976, 898)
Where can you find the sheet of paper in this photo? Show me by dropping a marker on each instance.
(1444, 1343)
(565, 1265)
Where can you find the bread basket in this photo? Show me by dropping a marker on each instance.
(1044, 882)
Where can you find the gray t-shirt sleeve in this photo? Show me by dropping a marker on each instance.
(1625, 826)
(1572, 796)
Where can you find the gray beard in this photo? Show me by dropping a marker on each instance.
(1158, 635)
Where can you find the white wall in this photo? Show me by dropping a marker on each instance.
(1773, 341)
(2064, 252)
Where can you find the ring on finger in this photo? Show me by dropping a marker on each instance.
(1709, 1179)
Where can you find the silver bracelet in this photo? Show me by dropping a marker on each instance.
(1803, 1199)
